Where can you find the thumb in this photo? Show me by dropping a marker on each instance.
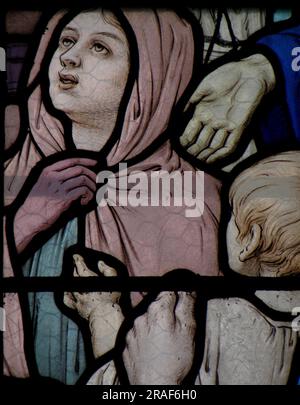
(201, 91)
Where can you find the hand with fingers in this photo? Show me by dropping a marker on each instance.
(57, 187)
(100, 309)
(224, 103)
(161, 344)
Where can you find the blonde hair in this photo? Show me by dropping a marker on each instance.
(268, 194)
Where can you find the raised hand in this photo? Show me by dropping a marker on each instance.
(86, 303)
(101, 309)
(224, 103)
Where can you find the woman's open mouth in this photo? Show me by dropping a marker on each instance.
(67, 81)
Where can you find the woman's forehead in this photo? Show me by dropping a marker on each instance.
(95, 21)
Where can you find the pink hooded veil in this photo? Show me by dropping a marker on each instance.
(148, 240)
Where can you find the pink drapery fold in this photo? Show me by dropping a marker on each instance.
(148, 240)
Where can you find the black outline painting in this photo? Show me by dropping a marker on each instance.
(101, 292)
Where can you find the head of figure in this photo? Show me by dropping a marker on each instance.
(263, 234)
(89, 69)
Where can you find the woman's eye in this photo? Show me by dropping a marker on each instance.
(66, 42)
(97, 47)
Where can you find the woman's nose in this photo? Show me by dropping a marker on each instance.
(70, 58)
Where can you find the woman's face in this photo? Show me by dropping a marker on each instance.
(89, 69)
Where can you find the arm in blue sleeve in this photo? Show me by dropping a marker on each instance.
(281, 123)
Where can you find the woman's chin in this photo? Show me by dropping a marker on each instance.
(65, 101)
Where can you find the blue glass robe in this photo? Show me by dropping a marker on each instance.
(280, 122)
